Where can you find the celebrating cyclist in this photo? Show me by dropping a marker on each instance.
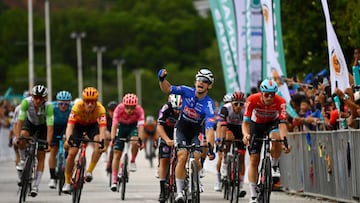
(168, 116)
(36, 115)
(128, 121)
(197, 110)
(87, 117)
(62, 108)
(264, 112)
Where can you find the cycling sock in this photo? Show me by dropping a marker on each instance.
(179, 185)
(162, 186)
(91, 166)
(52, 173)
(115, 176)
(219, 177)
(275, 162)
(252, 188)
(38, 178)
(22, 154)
(67, 177)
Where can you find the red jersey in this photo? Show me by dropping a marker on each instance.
(256, 111)
(120, 116)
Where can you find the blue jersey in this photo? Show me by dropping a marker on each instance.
(195, 113)
(61, 117)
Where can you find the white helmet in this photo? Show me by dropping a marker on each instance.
(227, 98)
(175, 101)
(205, 74)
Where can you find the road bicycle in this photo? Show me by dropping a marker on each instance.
(233, 171)
(123, 175)
(264, 183)
(150, 150)
(29, 171)
(170, 184)
(79, 173)
(191, 183)
(60, 165)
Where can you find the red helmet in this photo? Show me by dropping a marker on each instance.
(238, 96)
(130, 100)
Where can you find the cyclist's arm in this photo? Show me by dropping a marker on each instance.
(164, 84)
(50, 122)
(161, 132)
(246, 131)
(69, 130)
(102, 130)
(24, 106)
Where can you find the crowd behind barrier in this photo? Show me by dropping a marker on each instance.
(6, 153)
(323, 164)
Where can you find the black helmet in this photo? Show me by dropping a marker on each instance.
(40, 90)
(112, 105)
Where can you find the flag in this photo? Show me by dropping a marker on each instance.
(226, 32)
(339, 76)
(271, 58)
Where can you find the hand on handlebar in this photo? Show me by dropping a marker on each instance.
(246, 139)
(285, 146)
(211, 153)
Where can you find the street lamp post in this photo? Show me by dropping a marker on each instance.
(31, 45)
(99, 51)
(119, 63)
(138, 73)
(48, 50)
(78, 36)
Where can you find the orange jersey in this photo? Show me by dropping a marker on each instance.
(79, 115)
(150, 129)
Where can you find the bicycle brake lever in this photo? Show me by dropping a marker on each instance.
(102, 145)
(286, 143)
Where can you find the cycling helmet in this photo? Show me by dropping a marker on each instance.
(150, 120)
(238, 96)
(227, 98)
(130, 99)
(205, 73)
(63, 95)
(268, 86)
(175, 101)
(39, 90)
(112, 105)
(90, 93)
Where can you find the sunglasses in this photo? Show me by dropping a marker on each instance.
(129, 107)
(204, 80)
(238, 103)
(38, 97)
(63, 104)
(89, 101)
(269, 94)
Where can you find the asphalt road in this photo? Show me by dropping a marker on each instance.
(142, 186)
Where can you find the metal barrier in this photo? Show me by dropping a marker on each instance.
(324, 164)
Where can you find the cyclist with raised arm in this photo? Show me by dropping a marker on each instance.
(128, 121)
(264, 112)
(87, 116)
(168, 116)
(62, 108)
(229, 124)
(197, 110)
(36, 115)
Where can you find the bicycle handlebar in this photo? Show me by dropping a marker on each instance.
(85, 140)
(274, 140)
(128, 139)
(32, 140)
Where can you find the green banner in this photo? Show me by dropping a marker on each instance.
(226, 32)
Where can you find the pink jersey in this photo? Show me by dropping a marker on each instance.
(256, 111)
(120, 116)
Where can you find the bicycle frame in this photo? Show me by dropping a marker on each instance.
(29, 172)
(60, 166)
(170, 179)
(265, 175)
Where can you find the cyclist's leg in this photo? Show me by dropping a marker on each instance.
(118, 149)
(26, 130)
(134, 135)
(275, 151)
(164, 162)
(93, 133)
(180, 172)
(41, 158)
(58, 132)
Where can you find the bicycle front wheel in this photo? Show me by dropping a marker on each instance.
(79, 181)
(25, 179)
(124, 177)
(266, 181)
(60, 175)
(149, 150)
(235, 180)
(195, 190)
